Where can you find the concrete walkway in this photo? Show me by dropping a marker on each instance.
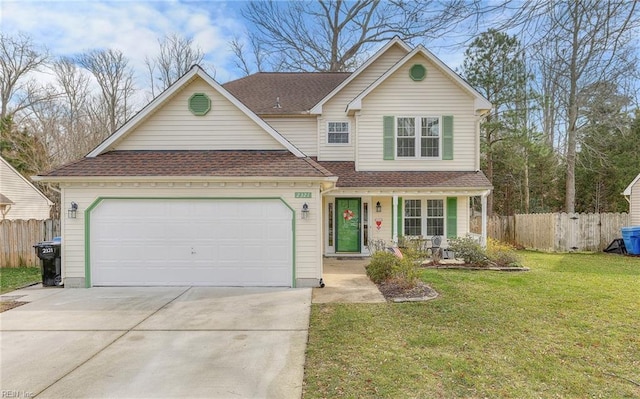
(346, 281)
(155, 342)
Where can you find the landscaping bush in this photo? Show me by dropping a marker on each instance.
(405, 271)
(386, 266)
(381, 266)
(503, 254)
(469, 250)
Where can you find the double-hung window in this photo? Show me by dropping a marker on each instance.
(435, 217)
(338, 132)
(433, 222)
(418, 137)
(412, 217)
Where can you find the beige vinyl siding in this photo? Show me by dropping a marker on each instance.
(174, 127)
(334, 109)
(385, 233)
(28, 203)
(300, 131)
(634, 206)
(308, 251)
(400, 96)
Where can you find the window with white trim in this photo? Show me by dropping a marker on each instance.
(412, 217)
(432, 224)
(435, 217)
(338, 132)
(418, 137)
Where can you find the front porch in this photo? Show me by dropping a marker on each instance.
(355, 222)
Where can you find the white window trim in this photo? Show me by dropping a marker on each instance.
(417, 138)
(348, 133)
(423, 217)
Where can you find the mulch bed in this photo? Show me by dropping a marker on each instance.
(397, 292)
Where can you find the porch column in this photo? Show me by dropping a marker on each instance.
(394, 212)
(483, 239)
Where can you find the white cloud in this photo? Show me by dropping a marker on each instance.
(134, 27)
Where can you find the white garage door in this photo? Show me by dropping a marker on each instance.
(191, 242)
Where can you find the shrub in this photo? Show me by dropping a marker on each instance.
(502, 254)
(469, 250)
(386, 266)
(381, 266)
(406, 271)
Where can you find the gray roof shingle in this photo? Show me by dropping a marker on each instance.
(295, 92)
(349, 177)
(193, 163)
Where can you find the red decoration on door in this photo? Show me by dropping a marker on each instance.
(347, 214)
(378, 224)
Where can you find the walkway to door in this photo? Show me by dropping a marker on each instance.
(346, 282)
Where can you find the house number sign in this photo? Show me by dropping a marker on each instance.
(303, 194)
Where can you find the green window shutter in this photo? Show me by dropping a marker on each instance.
(452, 217)
(399, 218)
(447, 137)
(388, 138)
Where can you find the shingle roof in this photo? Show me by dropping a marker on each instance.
(295, 92)
(192, 163)
(256, 164)
(349, 177)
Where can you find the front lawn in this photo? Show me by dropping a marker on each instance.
(12, 278)
(569, 328)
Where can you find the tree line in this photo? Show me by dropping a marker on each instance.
(564, 133)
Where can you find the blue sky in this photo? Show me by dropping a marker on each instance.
(71, 27)
(68, 27)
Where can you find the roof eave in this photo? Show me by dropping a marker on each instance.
(196, 178)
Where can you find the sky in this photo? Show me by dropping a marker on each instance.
(68, 28)
(71, 27)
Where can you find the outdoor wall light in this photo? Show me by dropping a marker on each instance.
(305, 211)
(378, 207)
(72, 212)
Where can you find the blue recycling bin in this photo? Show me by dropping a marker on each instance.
(631, 237)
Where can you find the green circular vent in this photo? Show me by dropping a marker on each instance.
(418, 72)
(199, 104)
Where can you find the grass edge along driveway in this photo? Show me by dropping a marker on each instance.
(569, 328)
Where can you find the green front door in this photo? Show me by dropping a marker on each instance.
(347, 224)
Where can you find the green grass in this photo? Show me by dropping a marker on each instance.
(569, 328)
(12, 278)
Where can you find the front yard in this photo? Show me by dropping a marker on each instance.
(568, 328)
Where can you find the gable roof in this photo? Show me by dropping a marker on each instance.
(481, 103)
(284, 93)
(156, 103)
(627, 191)
(190, 164)
(396, 41)
(25, 180)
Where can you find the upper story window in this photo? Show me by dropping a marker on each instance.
(338, 132)
(418, 137)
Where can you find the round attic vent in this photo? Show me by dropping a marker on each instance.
(418, 72)
(199, 104)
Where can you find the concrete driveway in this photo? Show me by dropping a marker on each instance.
(196, 342)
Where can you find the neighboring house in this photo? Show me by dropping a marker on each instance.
(632, 193)
(19, 199)
(251, 183)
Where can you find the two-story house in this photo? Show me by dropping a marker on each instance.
(252, 182)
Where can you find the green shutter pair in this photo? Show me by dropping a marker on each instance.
(388, 141)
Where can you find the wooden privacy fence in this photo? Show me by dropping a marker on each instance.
(17, 238)
(558, 232)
